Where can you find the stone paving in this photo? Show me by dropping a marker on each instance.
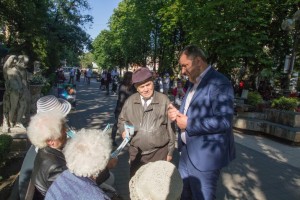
(264, 169)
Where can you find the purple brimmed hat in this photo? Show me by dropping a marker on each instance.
(141, 75)
(50, 103)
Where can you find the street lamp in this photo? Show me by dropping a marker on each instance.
(292, 25)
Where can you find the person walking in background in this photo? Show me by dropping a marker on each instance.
(158, 83)
(107, 82)
(78, 74)
(115, 83)
(72, 74)
(206, 140)
(84, 76)
(166, 83)
(102, 81)
(146, 110)
(178, 93)
(126, 89)
(89, 75)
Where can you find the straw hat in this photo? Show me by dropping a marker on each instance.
(158, 180)
(50, 102)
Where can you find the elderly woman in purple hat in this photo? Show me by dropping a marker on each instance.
(146, 110)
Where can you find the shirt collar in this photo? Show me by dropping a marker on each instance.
(199, 78)
(148, 100)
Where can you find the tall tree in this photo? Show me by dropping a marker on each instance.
(46, 30)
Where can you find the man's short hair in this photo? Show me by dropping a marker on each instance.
(193, 51)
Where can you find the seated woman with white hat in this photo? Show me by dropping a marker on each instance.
(47, 131)
(46, 104)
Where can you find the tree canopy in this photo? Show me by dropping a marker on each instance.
(45, 30)
(234, 33)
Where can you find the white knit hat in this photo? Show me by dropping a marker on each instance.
(158, 180)
(50, 102)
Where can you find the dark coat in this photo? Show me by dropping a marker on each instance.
(48, 165)
(124, 93)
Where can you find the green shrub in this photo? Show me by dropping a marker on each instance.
(5, 143)
(50, 81)
(254, 98)
(37, 79)
(285, 103)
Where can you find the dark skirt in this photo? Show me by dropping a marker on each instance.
(137, 159)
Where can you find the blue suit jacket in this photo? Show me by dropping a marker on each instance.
(209, 137)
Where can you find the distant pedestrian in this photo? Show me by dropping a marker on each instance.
(89, 75)
(166, 83)
(72, 74)
(103, 80)
(84, 76)
(159, 86)
(107, 82)
(178, 93)
(115, 82)
(78, 74)
(126, 89)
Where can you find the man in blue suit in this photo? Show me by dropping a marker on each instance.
(205, 118)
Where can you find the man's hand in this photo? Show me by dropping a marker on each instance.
(124, 135)
(169, 158)
(172, 112)
(181, 121)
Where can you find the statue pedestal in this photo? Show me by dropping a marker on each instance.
(2, 90)
(35, 91)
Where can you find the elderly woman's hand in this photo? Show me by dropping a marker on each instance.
(124, 135)
(112, 163)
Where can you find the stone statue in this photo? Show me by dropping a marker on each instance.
(24, 109)
(36, 67)
(16, 97)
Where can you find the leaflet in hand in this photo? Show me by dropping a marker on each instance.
(129, 129)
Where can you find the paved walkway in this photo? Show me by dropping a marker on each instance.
(264, 169)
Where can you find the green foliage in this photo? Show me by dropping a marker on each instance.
(48, 31)
(37, 79)
(254, 98)
(234, 33)
(5, 143)
(285, 103)
(86, 60)
(50, 81)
